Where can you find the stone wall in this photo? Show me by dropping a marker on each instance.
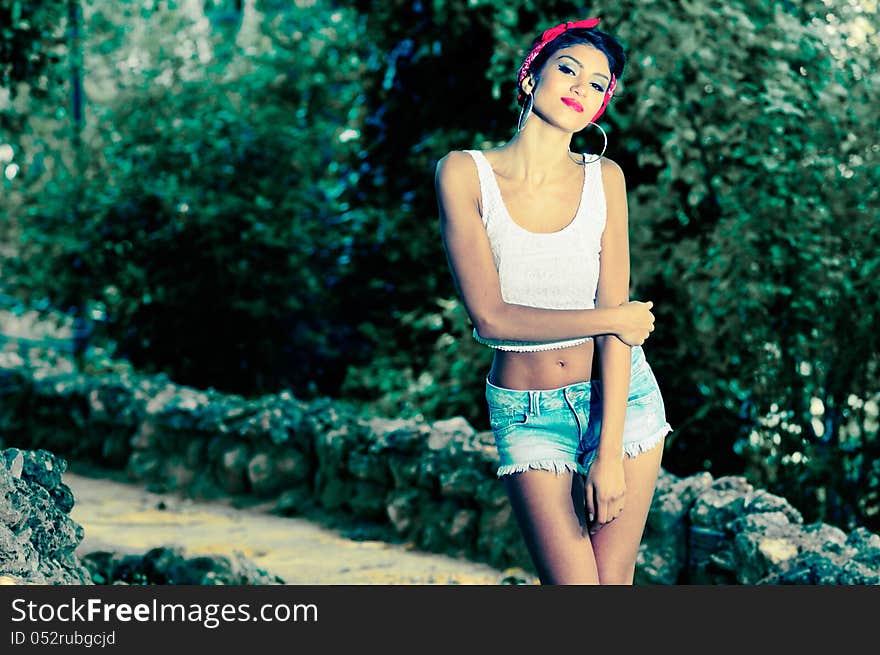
(431, 484)
(702, 530)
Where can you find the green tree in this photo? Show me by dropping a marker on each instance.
(212, 231)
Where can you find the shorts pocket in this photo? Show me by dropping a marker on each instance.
(644, 399)
(643, 385)
(504, 422)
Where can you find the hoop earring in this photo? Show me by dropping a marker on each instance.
(522, 120)
(604, 148)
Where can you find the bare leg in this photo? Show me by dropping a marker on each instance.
(554, 530)
(616, 544)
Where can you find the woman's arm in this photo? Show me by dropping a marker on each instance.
(473, 270)
(606, 479)
(613, 289)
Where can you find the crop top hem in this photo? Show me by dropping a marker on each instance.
(528, 346)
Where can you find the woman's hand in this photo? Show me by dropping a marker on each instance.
(637, 322)
(605, 491)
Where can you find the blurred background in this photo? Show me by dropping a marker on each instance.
(239, 193)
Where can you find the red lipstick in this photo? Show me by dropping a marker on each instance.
(574, 104)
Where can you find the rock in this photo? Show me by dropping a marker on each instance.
(809, 568)
(43, 467)
(482, 443)
(143, 465)
(332, 448)
(37, 537)
(146, 437)
(657, 565)
(402, 510)
(666, 531)
(762, 542)
(13, 459)
(455, 425)
(261, 475)
(763, 501)
(399, 435)
(333, 494)
(232, 473)
(170, 566)
(515, 575)
(493, 531)
(368, 467)
(404, 471)
(433, 535)
(856, 572)
(17, 555)
(463, 527)
(448, 432)
(176, 474)
(293, 467)
(63, 497)
(722, 502)
(195, 454)
(824, 537)
(460, 483)
(867, 546)
(491, 493)
(862, 538)
(294, 502)
(368, 500)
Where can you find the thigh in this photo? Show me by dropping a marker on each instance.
(616, 544)
(553, 526)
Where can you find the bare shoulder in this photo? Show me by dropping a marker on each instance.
(612, 174)
(455, 167)
(457, 184)
(614, 185)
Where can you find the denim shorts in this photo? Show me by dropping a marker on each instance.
(558, 429)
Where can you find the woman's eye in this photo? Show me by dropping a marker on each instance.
(598, 87)
(565, 69)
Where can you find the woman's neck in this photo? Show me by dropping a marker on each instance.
(536, 156)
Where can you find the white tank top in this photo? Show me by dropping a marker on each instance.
(554, 270)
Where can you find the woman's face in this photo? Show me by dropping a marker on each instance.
(571, 86)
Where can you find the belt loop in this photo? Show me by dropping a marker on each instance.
(534, 403)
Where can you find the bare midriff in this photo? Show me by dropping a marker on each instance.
(544, 369)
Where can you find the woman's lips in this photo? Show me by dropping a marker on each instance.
(574, 104)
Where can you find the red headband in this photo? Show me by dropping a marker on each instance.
(551, 34)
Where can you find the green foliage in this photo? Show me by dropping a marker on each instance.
(207, 217)
(31, 43)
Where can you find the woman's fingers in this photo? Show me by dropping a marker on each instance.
(591, 502)
(602, 509)
(609, 510)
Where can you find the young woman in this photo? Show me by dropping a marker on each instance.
(537, 242)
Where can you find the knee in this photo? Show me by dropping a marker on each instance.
(616, 575)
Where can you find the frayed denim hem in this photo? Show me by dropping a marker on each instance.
(558, 467)
(634, 448)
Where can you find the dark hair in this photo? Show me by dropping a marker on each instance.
(603, 41)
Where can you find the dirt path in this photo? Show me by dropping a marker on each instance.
(124, 517)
